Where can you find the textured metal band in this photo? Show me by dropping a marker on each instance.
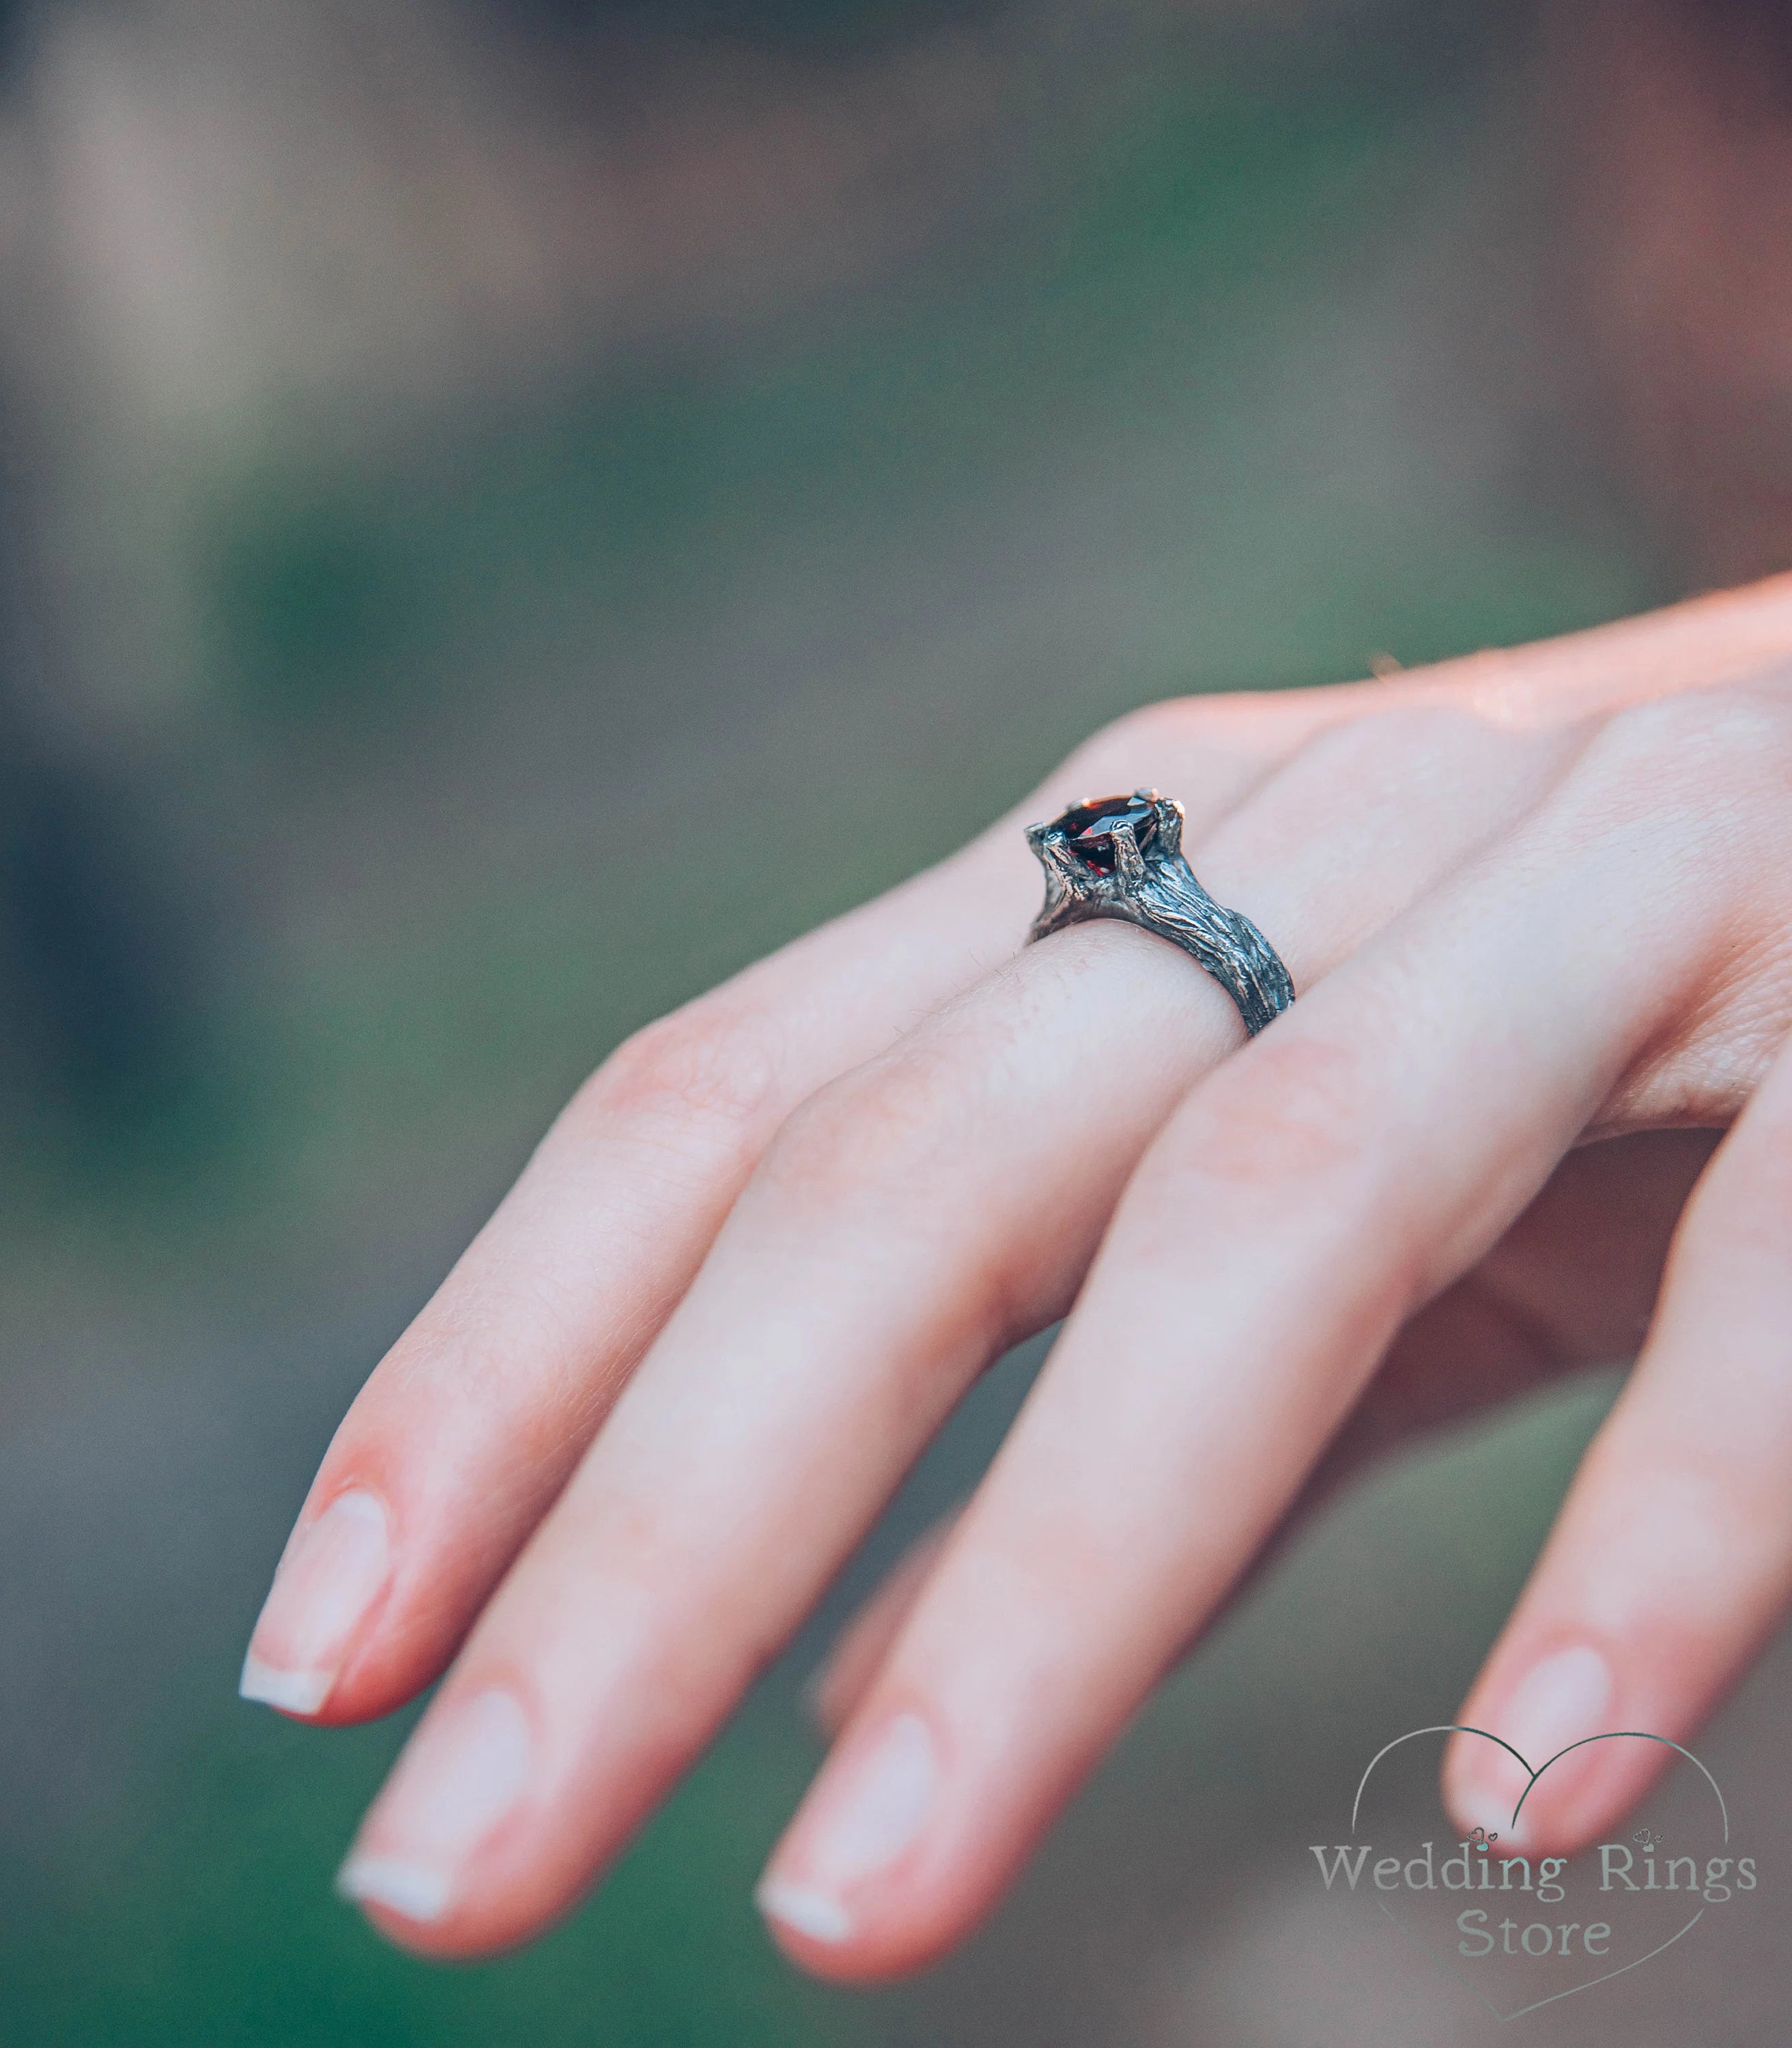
(1157, 890)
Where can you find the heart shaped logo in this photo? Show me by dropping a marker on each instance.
(1480, 1909)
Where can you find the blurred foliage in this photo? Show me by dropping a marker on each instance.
(1147, 275)
(16, 19)
(802, 24)
(103, 953)
(645, 486)
(315, 598)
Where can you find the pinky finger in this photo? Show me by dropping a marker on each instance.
(1672, 1559)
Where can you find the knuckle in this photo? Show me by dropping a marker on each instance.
(1710, 769)
(1152, 724)
(1298, 1112)
(1380, 755)
(705, 1064)
(1293, 1143)
(1133, 751)
(882, 1127)
(1697, 741)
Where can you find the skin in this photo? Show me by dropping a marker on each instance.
(1538, 908)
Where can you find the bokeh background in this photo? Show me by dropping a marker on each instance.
(446, 446)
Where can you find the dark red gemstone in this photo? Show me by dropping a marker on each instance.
(1089, 827)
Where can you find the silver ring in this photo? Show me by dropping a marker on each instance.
(1121, 857)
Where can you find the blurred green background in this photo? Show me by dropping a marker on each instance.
(450, 450)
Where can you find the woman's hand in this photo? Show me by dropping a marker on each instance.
(1528, 900)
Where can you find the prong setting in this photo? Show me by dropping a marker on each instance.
(1121, 857)
(1129, 863)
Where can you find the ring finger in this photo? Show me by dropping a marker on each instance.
(468, 1428)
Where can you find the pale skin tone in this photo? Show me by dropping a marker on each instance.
(1538, 909)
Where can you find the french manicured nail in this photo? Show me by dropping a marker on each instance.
(332, 1574)
(465, 1770)
(1560, 1700)
(871, 1805)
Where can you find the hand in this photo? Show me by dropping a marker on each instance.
(1529, 901)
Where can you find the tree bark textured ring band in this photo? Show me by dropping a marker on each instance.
(1121, 857)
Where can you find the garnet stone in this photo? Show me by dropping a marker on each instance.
(1089, 827)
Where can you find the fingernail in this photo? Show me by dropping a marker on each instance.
(869, 1808)
(815, 1913)
(1559, 1702)
(464, 1772)
(332, 1573)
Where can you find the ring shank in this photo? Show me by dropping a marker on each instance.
(1169, 902)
